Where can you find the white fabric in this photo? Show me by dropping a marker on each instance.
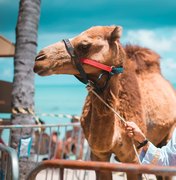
(165, 156)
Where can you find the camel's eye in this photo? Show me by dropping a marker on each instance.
(83, 48)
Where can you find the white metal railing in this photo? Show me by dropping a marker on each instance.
(9, 168)
(50, 141)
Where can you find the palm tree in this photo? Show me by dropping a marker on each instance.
(25, 52)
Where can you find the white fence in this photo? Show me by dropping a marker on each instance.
(50, 141)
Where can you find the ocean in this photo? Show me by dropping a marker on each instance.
(59, 99)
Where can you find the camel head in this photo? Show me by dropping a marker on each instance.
(99, 43)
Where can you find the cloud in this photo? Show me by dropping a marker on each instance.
(169, 69)
(171, 64)
(162, 41)
(158, 39)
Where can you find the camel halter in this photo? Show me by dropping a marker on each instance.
(111, 70)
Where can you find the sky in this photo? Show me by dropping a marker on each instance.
(147, 23)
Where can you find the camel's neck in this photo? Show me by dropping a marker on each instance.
(103, 123)
(102, 127)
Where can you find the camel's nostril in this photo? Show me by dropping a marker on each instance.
(40, 57)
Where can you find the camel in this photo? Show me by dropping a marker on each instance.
(140, 93)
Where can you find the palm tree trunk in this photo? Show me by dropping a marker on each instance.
(25, 52)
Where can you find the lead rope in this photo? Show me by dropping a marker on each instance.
(90, 88)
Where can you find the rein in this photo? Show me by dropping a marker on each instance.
(107, 70)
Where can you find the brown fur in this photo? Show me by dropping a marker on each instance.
(146, 60)
(139, 94)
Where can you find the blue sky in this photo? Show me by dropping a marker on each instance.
(145, 22)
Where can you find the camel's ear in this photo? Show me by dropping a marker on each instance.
(116, 33)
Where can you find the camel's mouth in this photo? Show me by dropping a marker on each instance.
(40, 70)
(42, 64)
